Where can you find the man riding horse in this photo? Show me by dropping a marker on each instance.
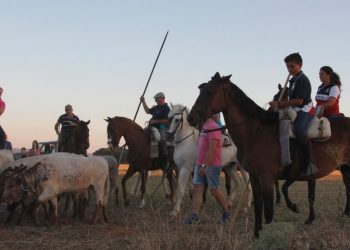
(160, 121)
(67, 128)
(300, 100)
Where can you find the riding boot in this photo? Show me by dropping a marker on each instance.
(307, 167)
(164, 162)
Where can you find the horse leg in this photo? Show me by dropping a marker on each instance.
(136, 184)
(311, 184)
(292, 206)
(183, 179)
(116, 191)
(245, 176)
(258, 205)
(204, 195)
(345, 170)
(130, 172)
(267, 185)
(171, 181)
(278, 193)
(228, 177)
(143, 188)
(11, 210)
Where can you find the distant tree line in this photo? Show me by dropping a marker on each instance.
(114, 152)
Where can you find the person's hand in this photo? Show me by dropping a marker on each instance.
(142, 99)
(274, 105)
(202, 171)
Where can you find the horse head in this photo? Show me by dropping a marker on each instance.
(177, 115)
(285, 94)
(81, 137)
(211, 100)
(114, 133)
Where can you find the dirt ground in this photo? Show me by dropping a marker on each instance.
(151, 227)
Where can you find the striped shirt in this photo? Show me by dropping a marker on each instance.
(65, 120)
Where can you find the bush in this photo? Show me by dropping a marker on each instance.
(275, 236)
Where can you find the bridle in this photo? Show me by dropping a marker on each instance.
(180, 124)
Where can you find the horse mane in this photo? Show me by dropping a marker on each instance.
(129, 122)
(250, 108)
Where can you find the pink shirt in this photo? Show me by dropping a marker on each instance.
(203, 144)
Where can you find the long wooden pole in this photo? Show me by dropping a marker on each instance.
(144, 91)
(284, 89)
(150, 76)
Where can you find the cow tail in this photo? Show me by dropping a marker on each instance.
(106, 189)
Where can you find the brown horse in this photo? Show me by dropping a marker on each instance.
(138, 141)
(253, 128)
(78, 142)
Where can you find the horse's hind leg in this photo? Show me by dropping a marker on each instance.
(345, 170)
(130, 172)
(228, 177)
(171, 181)
(258, 206)
(143, 188)
(311, 184)
(292, 206)
(278, 193)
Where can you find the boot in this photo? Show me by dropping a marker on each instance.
(307, 167)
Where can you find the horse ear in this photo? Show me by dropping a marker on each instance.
(226, 78)
(279, 86)
(216, 76)
(87, 123)
(171, 105)
(106, 120)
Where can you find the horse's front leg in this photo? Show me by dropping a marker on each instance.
(258, 205)
(311, 184)
(130, 172)
(182, 181)
(345, 171)
(292, 206)
(267, 185)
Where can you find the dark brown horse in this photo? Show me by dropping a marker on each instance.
(78, 142)
(253, 128)
(138, 141)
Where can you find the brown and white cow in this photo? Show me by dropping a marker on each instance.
(57, 174)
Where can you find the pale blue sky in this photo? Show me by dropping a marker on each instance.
(97, 55)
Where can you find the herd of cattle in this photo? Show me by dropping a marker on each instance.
(41, 181)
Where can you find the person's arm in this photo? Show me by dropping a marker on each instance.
(56, 128)
(144, 104)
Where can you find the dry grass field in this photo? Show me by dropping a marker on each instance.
(151, 228)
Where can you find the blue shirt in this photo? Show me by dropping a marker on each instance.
(159, 113)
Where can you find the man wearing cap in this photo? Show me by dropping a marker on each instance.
(159, 120)
(2, 110)
(67, 127)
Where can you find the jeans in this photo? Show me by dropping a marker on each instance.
(301, 124)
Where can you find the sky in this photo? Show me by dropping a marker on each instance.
(97, 55)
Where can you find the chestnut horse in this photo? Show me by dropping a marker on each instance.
(255, 133)
(78, 142)
(138, 141)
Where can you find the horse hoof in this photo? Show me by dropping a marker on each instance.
(308, 222)
(141, 205)
(173, 214)
(126, 203)
(294, 208)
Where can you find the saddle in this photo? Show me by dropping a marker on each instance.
(226, 140)
(155, 139)
(318, 130)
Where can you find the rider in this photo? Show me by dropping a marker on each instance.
(66, 127)
(328, 93)
(2, 110)
(160, 121)
(300, 100)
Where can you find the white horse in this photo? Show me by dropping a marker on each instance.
(186, 143)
